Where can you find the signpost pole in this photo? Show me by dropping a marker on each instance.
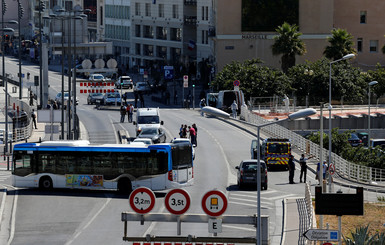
(339, 229)
(179, 224)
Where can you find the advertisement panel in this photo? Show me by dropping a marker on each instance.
(77, 180)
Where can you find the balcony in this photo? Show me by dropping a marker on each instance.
(190, 20)
(190, 2)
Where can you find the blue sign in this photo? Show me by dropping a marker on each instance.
(168, 72)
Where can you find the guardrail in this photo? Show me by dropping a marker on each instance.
(344, 168)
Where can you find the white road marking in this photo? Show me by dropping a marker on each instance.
(252, 205)
(79, 231)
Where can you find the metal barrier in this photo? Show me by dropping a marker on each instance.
(344, 168)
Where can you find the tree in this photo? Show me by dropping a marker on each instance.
(256, 80)
(289, 44)
(340, 44)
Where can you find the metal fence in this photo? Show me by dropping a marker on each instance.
(344, 168)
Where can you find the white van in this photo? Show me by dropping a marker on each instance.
(227, 97)
(147, 118)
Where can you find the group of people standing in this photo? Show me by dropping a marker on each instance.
(126, 110)
(189, 132)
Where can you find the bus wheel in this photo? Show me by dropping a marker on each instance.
(124, 186)
(45, 183)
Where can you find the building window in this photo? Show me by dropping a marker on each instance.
(175, 13)
(162, 52)
(148, 32)
(176, 34)
(203, 13)
(148, 9)
(207, 13)
(161, 10)
(137, 9)
(373, 46)
(359, 44)
(137, 30)
(161, 33)
(137, 48)
(148, 50)
(363, 17)
(207, 37)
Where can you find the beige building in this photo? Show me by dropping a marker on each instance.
(362, 19)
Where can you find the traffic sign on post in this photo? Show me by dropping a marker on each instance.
(321, 235)
(214, 203)
(332, 169)
(142, 200)
(177, 201)
(185, 81)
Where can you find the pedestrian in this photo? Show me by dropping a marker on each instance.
(192, 135)
(55, 105)
(291, 169)
(136, 99)
(33, 115)
(196, 133)
(184, 132)
(141, 100)
(302, 162)
(175, 97)
(130, 113)
(122, 113)
(31, 96)
(324, 169)
(167, 97)
(234, 108)
(181, 131)
(201, 105)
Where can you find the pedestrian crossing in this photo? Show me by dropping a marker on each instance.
(250, 198)
(4, 175)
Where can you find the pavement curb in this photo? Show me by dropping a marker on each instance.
(3, 197)
(284, 210)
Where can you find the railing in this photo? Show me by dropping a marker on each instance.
(345, 169)
(309, 209)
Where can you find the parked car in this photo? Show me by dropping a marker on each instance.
(66, 95)
(96, 78)
(247, 173)
(93, 97)
(364, 137)
(354, 140)
(124, 82)
(146, 141)
(142, 87)
(183, 140)
(156, 134)
(112, 98)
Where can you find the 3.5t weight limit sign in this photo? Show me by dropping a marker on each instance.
(177, 201)
(142, 200)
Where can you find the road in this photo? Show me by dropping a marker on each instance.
(79, 217)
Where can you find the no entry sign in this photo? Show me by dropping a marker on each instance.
(142, 200)
(177, 201)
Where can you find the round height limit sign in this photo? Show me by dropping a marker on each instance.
(177, 201)
(142, 200)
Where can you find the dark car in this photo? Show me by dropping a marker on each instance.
(93, 97)
(364, 137)
(354, 140)
(156, 134)
(247, 173)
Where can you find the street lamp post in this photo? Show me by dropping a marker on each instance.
(348, 56)
(299, 114)
(20, 15)
(370, 84)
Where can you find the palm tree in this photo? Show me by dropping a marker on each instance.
(340, 44)
(289, 44)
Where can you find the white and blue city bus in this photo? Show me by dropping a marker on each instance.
(123, 167)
